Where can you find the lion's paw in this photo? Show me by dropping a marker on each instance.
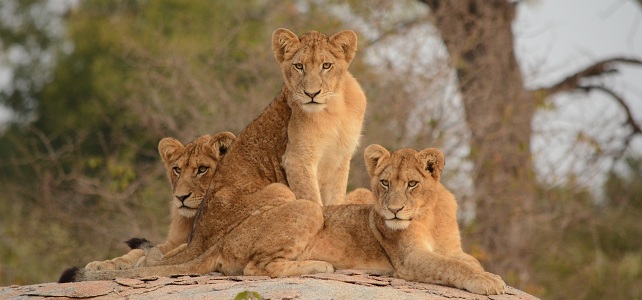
(485, 283)
(153, 257)
(323, 267)
(100, 265)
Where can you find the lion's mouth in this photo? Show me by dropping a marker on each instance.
(397, 224)
(395, 218)
(313, 106)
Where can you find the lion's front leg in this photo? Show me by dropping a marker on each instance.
(470, 260)
(301, 173)
(334, 183)
(434, 268)
(126, 261)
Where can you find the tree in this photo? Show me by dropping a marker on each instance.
(499, 110)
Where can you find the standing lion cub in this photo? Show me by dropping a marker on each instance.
(327, 105)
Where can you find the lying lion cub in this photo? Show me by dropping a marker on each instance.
(411, 230)
(190, 170)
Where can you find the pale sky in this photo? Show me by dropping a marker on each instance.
(556, 38)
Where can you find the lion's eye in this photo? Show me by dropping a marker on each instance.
(412, 183)
(327, 66)
(298, 66)
(384, 183)
(177, 171)
(202, 169)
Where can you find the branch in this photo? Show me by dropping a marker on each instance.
(396, 30)
(630, 120)
(573, 82)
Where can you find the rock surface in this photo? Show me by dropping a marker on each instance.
(346, 284)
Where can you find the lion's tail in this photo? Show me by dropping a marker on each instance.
(140, 243)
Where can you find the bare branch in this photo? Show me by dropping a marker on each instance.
(630, 119)
(597, 69)
(396, 30)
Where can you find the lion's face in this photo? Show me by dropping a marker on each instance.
(190, 168)
(404, 182)
(313, 64)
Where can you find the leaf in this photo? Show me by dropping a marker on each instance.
(248, 295)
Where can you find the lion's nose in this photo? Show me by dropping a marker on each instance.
(395, 210)
(183, 197)
(312, 95)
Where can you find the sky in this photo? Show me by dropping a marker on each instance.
(557, 38)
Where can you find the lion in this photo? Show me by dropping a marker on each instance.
(328, 106)
(410, 231)
(262, 178)
(252, 223)
(190, 169)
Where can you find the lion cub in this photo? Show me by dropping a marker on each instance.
(190, 170)
(327, 105)
(415, 220)
(410, 231)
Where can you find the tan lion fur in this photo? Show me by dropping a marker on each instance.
(253, 224)
(190, 169)
(234, 230)
(327, 105)
(410, 232)
(416, 221)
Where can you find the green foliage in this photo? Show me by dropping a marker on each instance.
(591, 250)
(248, 295)
(29, 35)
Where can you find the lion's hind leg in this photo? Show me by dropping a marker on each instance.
(270, 241)
(299, 221)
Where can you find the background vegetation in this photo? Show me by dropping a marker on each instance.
(94, 85)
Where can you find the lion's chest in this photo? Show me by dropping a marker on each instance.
(337, 144)
(327, 139)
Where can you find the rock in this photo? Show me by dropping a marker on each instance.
(345, 284)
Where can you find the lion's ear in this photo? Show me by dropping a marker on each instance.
(347, 41)
(373, 156)
(433, 160)
(221, 142)
(282, 39)
(169, 148)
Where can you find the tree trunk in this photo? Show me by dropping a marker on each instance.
(499, 112)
